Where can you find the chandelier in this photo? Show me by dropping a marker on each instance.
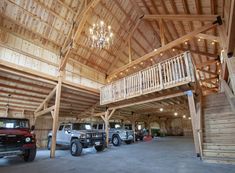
(101, 35)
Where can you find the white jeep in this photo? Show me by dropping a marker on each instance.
(78, 136)
(117, 133)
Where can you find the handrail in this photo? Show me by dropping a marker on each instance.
(169, 73)
(229, 94)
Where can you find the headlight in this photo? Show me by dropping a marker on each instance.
(28, 139)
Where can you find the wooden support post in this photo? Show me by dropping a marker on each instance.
(161, 24)
(194, 120)
(56, 116)
(106, 116)
(133, 125)
(129, 50)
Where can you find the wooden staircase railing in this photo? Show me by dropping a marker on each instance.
(169, 73)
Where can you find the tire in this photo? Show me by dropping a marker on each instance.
(75, 147)
(30, 155)
(141, 138)
(99, 148)
(49, 143)
(128, 142)
(116, 141)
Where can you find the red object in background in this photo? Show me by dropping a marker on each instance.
(148, 138)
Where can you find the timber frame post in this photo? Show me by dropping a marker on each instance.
(55, 115)
(106, 116)
(133, 120)
(195, 121)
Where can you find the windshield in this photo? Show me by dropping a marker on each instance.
(128, 127)
(14, 123)
(115, 125)
(81, 126)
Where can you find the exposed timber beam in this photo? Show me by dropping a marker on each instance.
(179, 17)
(45, 111)
(209, 62)
(206, 71)
(77, 33)
(194, 120)
(197, 52)
(231, 29)
(175, 94)
(124, 45)
(55, 115)
(47, 99)
(166, 47)
(208, 37)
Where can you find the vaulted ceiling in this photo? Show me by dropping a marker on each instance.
(48, 24)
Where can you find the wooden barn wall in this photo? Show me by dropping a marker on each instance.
(16, 50)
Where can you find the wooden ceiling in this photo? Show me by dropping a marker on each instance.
(20, 90)
(48, 23)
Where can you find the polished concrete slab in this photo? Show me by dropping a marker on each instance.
(162, 155)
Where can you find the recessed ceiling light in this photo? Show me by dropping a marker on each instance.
(189, 118)
(161, 109)
(176, 114)
(184, 116)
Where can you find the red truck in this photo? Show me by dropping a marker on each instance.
(16, 138)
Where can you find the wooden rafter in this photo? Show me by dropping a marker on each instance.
(179, 17)
(166, 47)
(78, 32)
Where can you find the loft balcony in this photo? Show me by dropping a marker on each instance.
(170, 73)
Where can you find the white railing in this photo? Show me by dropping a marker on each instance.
(169, 73)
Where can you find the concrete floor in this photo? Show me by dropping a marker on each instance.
(162, 155)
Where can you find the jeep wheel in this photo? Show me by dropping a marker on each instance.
(128, 142)
(76, 147)
(99, 148)
(29, 155)
(49, 143)
(116, 141)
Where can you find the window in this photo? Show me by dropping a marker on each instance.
(100, 127)
(67, 127)
(14, 123)
(61, 127)
(81, 126)
(94, 126)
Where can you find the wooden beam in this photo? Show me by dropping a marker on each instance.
(47, 99)
(229, 94)
(166, 47)
(231, 29)
(208, 37)
(162, 33)
(197, 52)
(179, 17)
(78, 31)
(129, 50)
(56, 115)
(209, 62)
(124, 45)
(206, 71)
(194, 119)
(43, 112)
(175, 94)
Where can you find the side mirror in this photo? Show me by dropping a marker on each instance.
(32, 128)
